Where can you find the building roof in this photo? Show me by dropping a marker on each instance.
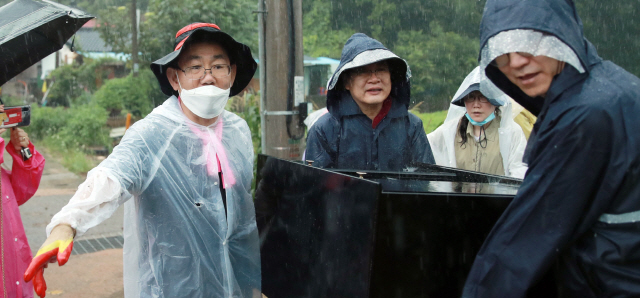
(88, 40)
(320, 61)
(315, 61)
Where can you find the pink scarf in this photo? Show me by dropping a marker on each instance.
(209, 146)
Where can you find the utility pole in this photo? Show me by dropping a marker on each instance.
(282, 66)
(134, 37)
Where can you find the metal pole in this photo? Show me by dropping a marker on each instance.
(283, 137)
(134, 38)
(276, 78)
(263, 73)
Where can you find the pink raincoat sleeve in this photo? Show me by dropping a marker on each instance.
(25, 175)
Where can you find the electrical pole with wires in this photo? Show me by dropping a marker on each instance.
(282, 78)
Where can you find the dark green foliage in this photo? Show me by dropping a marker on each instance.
(12, 101)
(46, 121)
(65, 86)
(76, 127)
(71, 82)
(383, 19)
(247, 107)
(136, 95)
(612, 27)
(437, 38)
(85, 126)
(438, 54)
(319, 40)
(164, 18)
(439, 62)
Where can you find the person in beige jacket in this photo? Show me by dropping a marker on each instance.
(479, 133)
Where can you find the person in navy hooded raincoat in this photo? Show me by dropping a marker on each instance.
(368, 126)
(578, 209)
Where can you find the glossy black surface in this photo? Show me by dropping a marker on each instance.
(422, 186)
(316, 230)
(411, 234)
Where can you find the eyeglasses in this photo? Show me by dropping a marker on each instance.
(218, 71)
(365, 74)
(504, 59)
(471, 99)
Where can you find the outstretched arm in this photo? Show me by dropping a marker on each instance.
(107, 187)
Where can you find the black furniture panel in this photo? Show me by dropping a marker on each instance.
(343, 233)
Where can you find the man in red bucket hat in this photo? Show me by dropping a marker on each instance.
(184, 175)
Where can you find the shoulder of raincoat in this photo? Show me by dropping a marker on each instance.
(512, 140)
(18, 186)
(577, 210)
(179, 240)
(344, 138)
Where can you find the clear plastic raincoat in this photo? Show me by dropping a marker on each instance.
(512, 139)
(178, 240)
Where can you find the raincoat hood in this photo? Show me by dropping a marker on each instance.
(361, 50)
(577, 211)
(512, 139)
(557, 18)
(345, 138)
(472, 83)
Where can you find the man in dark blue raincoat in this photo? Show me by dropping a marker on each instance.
(578, 209)
(368, 126)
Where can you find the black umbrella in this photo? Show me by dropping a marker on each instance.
(30, 30)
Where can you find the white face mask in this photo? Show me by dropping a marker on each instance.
(207, 102)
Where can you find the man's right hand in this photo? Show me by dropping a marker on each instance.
(56, 248)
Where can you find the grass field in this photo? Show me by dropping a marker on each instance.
(431, 121)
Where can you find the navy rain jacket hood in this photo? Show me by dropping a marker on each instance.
(578, 209)
(344, 137)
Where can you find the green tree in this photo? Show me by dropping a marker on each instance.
(85, 127)
(319, 40)
(611, 26)
(72, 83)
(439, 62)
(383, 19)
(440, 52)
(164, 18)
(136, 95)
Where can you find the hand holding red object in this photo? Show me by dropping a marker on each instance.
(57, 247)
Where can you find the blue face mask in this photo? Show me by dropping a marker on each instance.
(485, 121)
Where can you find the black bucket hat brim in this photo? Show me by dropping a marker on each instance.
(239, 53)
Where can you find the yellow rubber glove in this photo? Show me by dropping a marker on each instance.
(57, 247)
